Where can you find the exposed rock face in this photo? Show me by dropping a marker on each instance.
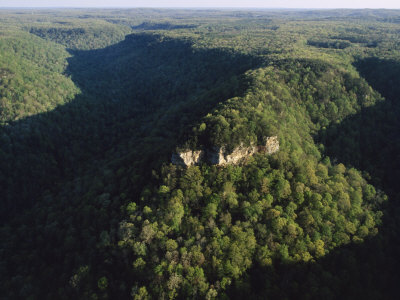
(187, 158)
(271, 145)
(217, 155)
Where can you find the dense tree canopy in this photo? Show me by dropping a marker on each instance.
(94, 102)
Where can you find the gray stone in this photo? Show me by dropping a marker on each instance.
(217, 155)
(187, 158)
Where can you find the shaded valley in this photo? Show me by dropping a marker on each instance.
(303, 104)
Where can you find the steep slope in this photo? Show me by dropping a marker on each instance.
(102, 144)
(82, 35)
(31, 76)
(129, 91)
(202, 228)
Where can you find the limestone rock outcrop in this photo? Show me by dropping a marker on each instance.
(271, 145)
(218, 156)
(187, 158)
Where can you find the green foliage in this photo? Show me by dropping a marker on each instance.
(102, 283)
(82, 35)
(31, 79)
(86, 137)
(262, 228)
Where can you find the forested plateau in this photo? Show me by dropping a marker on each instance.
(94, 103)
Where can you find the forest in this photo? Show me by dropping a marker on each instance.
(94, 102)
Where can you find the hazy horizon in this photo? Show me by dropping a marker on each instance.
(269, 4)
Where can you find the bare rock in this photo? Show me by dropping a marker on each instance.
(187, 158)
(218, 156)
(271, 145)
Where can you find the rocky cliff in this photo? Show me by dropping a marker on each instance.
(218, 155)
(271, 145)
(187, 158)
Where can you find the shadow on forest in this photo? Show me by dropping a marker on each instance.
(144, 93)
(138, 97)
(370, 142)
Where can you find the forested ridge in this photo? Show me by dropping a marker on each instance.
(94, 102)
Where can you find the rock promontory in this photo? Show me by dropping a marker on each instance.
(218, 155)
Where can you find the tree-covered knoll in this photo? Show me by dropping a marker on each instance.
(311, 93)
(96, 101)
(32, 79)
(82, 35)
(202, 228)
